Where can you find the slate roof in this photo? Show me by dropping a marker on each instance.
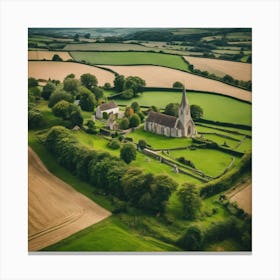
(161, 119)
(108, 106)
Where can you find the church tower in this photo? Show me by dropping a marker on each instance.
(185, 122)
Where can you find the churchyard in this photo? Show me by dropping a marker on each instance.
(163, 193)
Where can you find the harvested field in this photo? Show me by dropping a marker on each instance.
(55, 209)
(47, 55)
(238, 70)
(59, 70)
(157, 76)
(242, 195)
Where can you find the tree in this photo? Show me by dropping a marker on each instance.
(98, 92)
(61, 109)
(114, 144)
(56, 57)
(87, 35)
(128, 153)
(134, 121)
(192, 239)
(142, 144)
(35, 118)
(190, 199)
(228, 79)
(128, 112)
(58, 96)
(124, 123)
(178, 85)
(35, 92)
(48, 89)
(136, 107)
(72, 76)
(118, 83)
(135, 83)
(107, 86)
(153, 108)
(32, 82)
(89, 81)
(87, 99)
(92, 129)
(71, 85)
(141, 116)
(172, 109)
(127, 94)
(76, 118)
(76, 37)
(196, 112)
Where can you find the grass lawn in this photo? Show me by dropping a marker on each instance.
(132, 58)
(215, 107)
(221, 140)
(211, 162)
(110, 235)
(158, 141)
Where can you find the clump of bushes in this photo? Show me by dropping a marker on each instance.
(185, 161)
(114, 144)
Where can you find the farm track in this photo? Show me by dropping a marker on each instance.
(158, 76)
(55, 209)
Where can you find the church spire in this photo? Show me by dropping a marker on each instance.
(184, 101)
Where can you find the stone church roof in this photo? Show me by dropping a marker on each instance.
(107, 106)
(161, 119)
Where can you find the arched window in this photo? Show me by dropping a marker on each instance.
(189, 130)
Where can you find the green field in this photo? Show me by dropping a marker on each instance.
(106, 47)
(132, 58)
(110, 235)
(211, 162)
(158, 141)
(215, 107)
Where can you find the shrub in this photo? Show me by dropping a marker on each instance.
(35, 118)
(98, 92)
(178, 85)
(185, 161)
(56, 57)
(127, 94)
(192, 239)
(128, 153)
(114, 144)
(142, 144)
(105, 115)
(196, 112)
(76, 118)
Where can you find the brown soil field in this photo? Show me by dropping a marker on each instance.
(55, 209)
(59, 70)
(157, 76)
(242, 195)
(238, 70)
(47, 55)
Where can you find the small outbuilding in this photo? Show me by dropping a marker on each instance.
(109, 108)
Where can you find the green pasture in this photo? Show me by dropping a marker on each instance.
(110, 235)
(131, 58)
(215, 107)
(211, 162)
(106, 47)
(158, 141)
(220, 140)
(213, 130)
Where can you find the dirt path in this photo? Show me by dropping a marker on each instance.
(242, 195)
(55, 209)
(158, 76)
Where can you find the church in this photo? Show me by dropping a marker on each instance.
(182, 126)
